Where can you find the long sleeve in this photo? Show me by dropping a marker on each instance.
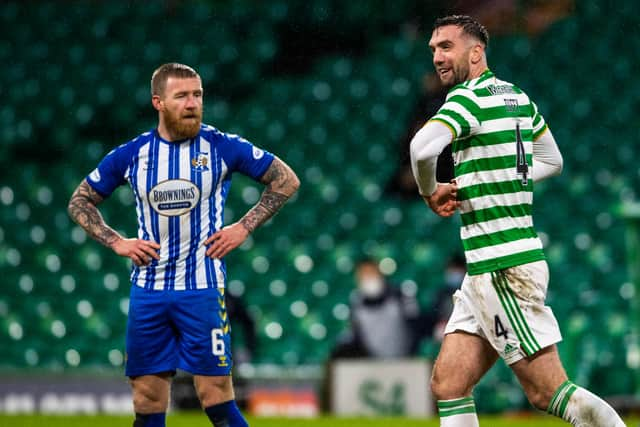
(426, 146)
(547, 159)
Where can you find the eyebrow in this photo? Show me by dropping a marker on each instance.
(183, 92)
(440, 43)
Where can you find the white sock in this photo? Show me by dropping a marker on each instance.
(582, 408)
(458, 412)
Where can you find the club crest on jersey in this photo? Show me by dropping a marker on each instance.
(174, 197)
(95, 175)
(257, 153)
(200, 162)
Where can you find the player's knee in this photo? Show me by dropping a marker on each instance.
(148, 399)
(446, 389)
(213, 390)
(539, 398)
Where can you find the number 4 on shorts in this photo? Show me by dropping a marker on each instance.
(499, 328)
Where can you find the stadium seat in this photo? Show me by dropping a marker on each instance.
(337, 123)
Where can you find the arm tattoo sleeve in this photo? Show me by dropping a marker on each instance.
(82, 209)
(281, 184)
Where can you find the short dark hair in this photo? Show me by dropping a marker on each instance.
(469, 26)
(457, 260)
(172, 69)
(367, 260)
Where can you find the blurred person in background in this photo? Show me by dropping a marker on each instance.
(180, 173)
(443, 306)
(385, 323)
(501, 145)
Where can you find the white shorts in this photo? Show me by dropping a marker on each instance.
(506, 308)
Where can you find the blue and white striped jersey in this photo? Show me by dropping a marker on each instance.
(180, 190)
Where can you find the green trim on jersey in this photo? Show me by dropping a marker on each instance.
(465, 102)
(489, 214)
(536, 120)
(492, 138)
(536, 135)
(447, 124)
(494, 163)
(500, 112)
(493, 188)
(486, 75)
(486, 92)
(495, 264)
(498, 237)
(457, 118)
(517, 320)
(494, 124)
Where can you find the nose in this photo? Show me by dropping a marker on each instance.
(192, 102)
(438, 58)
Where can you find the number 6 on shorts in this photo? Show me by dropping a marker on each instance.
(217, 342)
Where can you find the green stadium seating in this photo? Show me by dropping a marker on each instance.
(338, 123)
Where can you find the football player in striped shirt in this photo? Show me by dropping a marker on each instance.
(180, 173)
(501, 145)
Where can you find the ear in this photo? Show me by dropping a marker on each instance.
(477, 52)
(157, 103)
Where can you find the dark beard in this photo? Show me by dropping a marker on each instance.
(461, 74)
(178, 129)
(461, 78)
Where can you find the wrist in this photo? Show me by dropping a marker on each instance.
(113, 241)
(246, 227)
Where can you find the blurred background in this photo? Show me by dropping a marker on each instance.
(336, 89)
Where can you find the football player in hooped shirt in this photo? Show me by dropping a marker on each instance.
(180, 174)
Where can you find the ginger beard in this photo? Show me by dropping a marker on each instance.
(183, 125)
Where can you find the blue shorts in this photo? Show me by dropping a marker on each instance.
(169, 330)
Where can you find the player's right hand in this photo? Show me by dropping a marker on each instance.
(443, 201)
(140, 251)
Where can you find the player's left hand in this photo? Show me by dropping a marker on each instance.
(224, 241)
(443, 201)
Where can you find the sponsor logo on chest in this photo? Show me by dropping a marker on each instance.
(174, 197)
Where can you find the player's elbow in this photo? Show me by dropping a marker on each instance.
(294, 182)
(289, 184)
(559, 165)
(417, 149)
(555, 168)
(282, 179)
(71, 210)
(77, 206)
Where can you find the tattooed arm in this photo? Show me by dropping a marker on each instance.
(83, 210)
(281, 183)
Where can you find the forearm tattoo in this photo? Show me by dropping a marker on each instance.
(281, 184)
(82, 209)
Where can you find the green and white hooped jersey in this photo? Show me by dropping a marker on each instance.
(494, 124)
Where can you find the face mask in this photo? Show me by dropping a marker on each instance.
(371, 287)
(454, 278)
